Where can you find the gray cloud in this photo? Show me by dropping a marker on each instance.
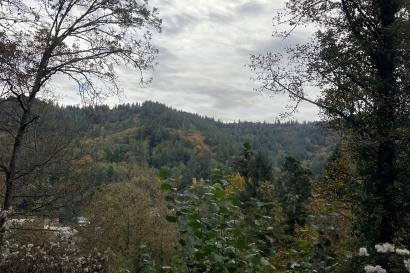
(204, 49)
(178, 23)
(220, 18)
(251, 9)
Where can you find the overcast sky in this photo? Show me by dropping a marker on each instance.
(202, 65)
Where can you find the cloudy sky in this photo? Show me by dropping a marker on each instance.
(202, 66)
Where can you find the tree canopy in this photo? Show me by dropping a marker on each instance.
(81, 40)
(359, 59)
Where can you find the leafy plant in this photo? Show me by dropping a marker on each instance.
(213, 232)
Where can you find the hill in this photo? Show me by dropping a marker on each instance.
(156, 136)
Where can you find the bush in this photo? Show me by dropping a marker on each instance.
(61, 256)
(213, 232)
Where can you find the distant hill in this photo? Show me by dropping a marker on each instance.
(155, 135)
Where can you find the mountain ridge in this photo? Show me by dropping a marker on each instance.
(190, 144)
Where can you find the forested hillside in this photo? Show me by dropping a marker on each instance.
(188, 144)
(144, 188)
(101, 165)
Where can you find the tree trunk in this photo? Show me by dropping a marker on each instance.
(386, 121)
(25, 120)
(11, 172)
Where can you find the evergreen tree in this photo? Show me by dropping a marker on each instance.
(255, 169)
(259, 170)
(293, 190)
(241, 164)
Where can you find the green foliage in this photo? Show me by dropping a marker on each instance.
(241, 164)
(293, 189)
(214, 234)
(113, 156)
(260, 168)
(254, 168)
(189, 145)
(125, 216)
(358, 57)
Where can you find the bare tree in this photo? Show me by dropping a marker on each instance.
(83, 40)
(47, 182)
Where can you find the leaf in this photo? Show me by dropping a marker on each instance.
(164, 174)
(196, 224)
(169, 198)
(217, 187)
(171, 219)
(214, 208)
(265, 262)
(166, 187)
(224, 210)
(218, 258)
(218, 191)
(219, 194)
(304, 246)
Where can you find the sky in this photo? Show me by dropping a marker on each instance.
(204, 50)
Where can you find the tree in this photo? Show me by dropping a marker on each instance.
(359, 59)
(293, 189)
(126, 215)
(80, 39)
(255, 169)
(47, 181)
(260, 168)
(327, 235)
(236, 184)
(241, 164)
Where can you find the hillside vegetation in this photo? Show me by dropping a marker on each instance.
(190, 145)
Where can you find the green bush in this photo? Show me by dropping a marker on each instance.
(214, 235)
